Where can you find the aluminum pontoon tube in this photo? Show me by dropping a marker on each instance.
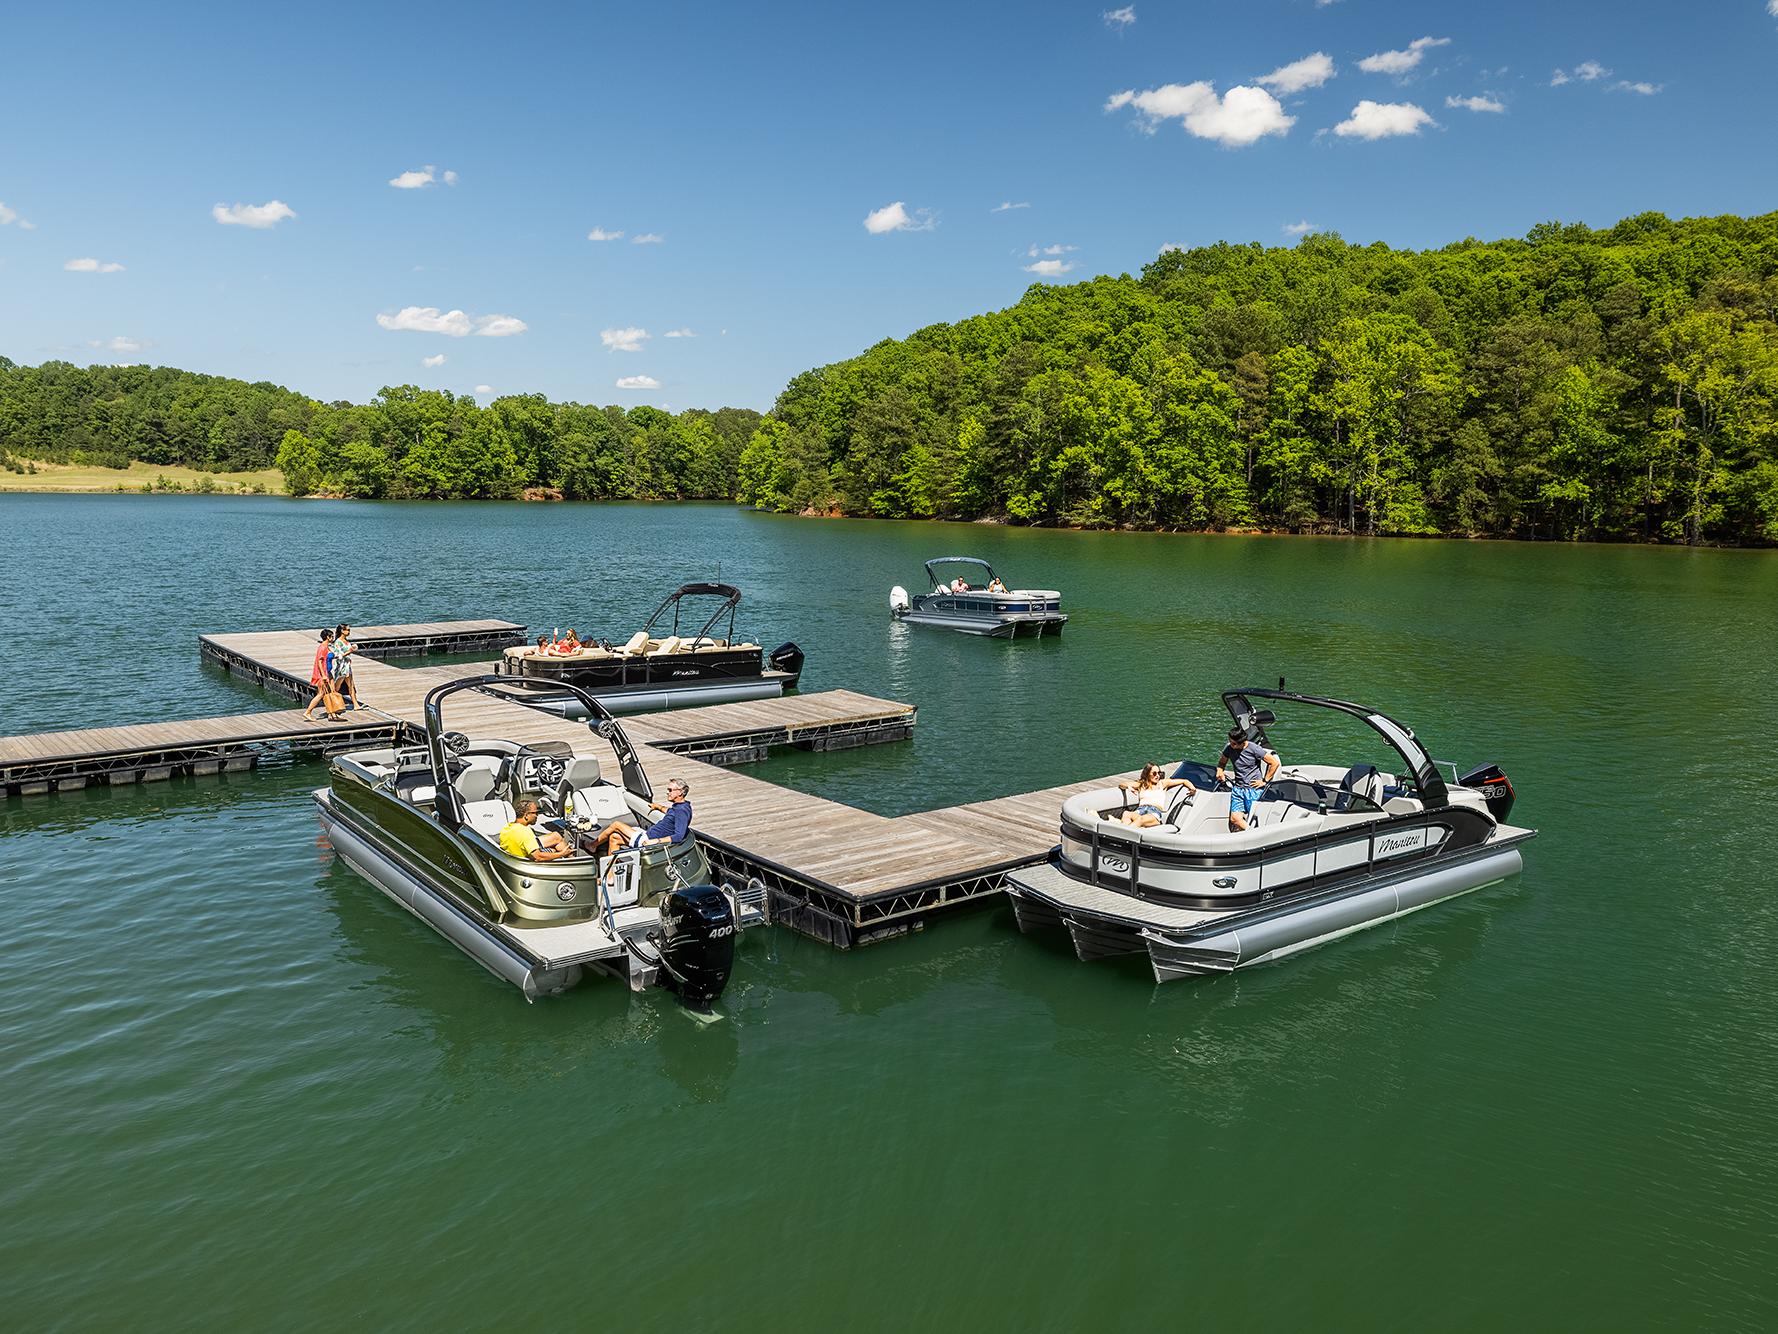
(451, 922)
(1240, 946)
(664, 697)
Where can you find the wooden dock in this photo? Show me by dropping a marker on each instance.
(842, 874)
(151, 752)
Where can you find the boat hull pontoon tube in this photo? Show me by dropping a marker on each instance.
(978, 609)
(422, 824)
(1330, 850)
(666, 664)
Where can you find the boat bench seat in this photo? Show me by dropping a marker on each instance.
(489, 817)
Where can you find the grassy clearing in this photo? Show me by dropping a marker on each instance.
(139, 477)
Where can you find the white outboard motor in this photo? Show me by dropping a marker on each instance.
(898, 600)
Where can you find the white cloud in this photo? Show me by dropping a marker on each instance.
(1636, 86)
(1236, 119)
(117, 344)
(26, 225)
(92, 266)
(1772, 8)
(259, 216)
(1033, 251)
(600, 234)
(1483, 103)
(453, 323)
(1171, 245)
(623, 340)
(1400, 62)
(11, 215)
(1382, 120)
(484, 389)
(1310, 72)
(415, 180)
(450, 178)
(1008, 205)
(1049, 268)
(1588, 71)
(647, 238)
(1119, 18)
(427, 319)
(1302, 228)
(436, 360)
(896, 218)
(637, 382)
(679, 333)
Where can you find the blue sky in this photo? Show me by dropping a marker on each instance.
(756, 141)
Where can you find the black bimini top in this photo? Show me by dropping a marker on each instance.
(730, 595)
(1401, 739)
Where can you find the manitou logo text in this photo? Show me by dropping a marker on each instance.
(1116, 865)
(1393, 845)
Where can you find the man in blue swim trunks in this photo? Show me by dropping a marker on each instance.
(1252, 767)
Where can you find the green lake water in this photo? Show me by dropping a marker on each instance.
(241, 1089)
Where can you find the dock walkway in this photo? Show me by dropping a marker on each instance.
(837, 872)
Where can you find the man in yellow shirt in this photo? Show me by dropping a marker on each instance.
(518, 839)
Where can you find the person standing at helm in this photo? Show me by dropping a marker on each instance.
(1249, 766)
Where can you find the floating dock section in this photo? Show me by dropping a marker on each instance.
(844, 875)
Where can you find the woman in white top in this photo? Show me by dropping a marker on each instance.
(1148, 794)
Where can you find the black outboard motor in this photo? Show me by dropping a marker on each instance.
(697, 943)
(787, 658)
(1496, 789)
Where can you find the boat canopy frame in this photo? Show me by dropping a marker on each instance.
(731, 599)
(599, 722)
(1401, 739)
(937, 585)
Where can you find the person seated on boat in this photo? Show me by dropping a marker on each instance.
(520, 839)
(543, 642)
(995, 586)
(1248, 766)
(959, 585)
(1149, 795)
(567, 645)
(674, 824)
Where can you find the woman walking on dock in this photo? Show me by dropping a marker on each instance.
(343, 649)
(321, 677)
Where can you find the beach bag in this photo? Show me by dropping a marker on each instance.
(333, 701)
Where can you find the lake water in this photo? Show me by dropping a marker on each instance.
(242, 1089)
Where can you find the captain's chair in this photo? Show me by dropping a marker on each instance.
(635, 643)
(581, 771)
(1363, 781)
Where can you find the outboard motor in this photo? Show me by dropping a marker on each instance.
(1496, 789)
(898, 600)
(787, 658)
(697, 943)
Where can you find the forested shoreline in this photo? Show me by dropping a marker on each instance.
(407, 443)
(1616, 384)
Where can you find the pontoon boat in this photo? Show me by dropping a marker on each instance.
(666, 663)
(1331, 849)
(422, 824)
(982, 607)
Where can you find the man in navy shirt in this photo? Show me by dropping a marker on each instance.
(674, 824)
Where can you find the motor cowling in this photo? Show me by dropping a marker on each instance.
(787, 657)
(898, 600)
(697, 943)
(1496, 789)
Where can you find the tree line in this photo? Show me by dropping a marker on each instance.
(1578, 383)
(406, 443)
